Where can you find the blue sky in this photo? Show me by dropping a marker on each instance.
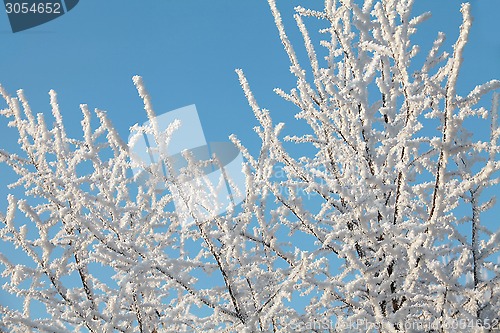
(186, 52)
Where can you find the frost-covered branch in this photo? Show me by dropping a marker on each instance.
(383, 220)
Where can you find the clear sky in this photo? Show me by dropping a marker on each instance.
(186, 51)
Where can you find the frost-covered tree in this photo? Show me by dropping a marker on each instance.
(382, 225)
